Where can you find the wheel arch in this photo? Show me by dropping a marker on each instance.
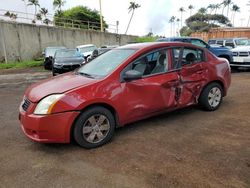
(105, 105)
(215, 81)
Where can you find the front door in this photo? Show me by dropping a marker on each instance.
(155, 91)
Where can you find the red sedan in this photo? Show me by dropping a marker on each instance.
(124, 85)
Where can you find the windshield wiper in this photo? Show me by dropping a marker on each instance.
(86, 74)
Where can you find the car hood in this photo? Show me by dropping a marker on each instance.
(218, 47)
(241, 48)
(58, 84)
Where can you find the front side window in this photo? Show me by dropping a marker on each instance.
(198, 43)
(106, 63)
(152, 63)
(191, 56)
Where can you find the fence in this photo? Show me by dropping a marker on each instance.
(50, 20)
(223, 33)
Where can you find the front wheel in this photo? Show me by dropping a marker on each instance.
(94, 127)
(211, 97)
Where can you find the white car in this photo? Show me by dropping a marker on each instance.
(241, 56)
(86, 50)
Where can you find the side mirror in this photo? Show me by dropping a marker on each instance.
(132, 75)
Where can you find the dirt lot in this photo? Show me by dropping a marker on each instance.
(186, 148)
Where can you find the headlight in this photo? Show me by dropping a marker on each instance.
(45, 105)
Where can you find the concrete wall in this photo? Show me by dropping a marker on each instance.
(27, 41)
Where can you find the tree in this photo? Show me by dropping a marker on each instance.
(235, 9)
(203, 22)
(58, 4)
(181, 10)
(25, 5)
(34, 3)
(190, 7)
(226, 3)
(132, 8)
(11, 15)
(211, 7)
(216, 7)
(80, 17)
(44, 12)
(172, 23)
(202, 11)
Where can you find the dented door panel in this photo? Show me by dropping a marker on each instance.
(192, 80)
(150, 95)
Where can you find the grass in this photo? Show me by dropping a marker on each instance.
(21, 65)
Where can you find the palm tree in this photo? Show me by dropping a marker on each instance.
(178, 25)
(216, 7)
(181, 10)
(58, 4)
(226, 3)
(211, 7)
(132, 8)
(44, 12)
(25, 5)
(34, 3)
(172, 22)
(190, 7)
(234, 9)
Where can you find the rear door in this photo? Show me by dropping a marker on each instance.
(193, 76)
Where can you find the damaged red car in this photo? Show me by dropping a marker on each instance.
(124, 85)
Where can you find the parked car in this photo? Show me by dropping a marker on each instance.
(86, 50)
(241, 57)
(124, 85)
(229, 42)
(49, 53)
(100, 51)
(219, 51)
(66, 60)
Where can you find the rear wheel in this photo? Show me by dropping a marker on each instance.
(211, 97)
(94, 127)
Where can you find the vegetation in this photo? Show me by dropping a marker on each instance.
(132, 8)
(58, 4)
(79, 16)
(146, 39)
(24, 64)
(36, 4)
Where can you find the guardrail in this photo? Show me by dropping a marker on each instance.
(50, 20)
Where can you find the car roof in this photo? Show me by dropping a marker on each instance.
(229, 38)
(156, 44)
(85, 45)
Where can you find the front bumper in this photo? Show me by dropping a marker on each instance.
(241, 61)
(65, 68)
(53, 128)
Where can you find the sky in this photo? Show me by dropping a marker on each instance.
(152, 16)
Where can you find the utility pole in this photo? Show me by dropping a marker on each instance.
(100, 3)
(117, 26)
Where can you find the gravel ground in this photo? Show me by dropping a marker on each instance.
(185, 148)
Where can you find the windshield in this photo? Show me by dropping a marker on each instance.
(106, 63)
(87, 49)
(241, 42)
(51, 51)
(67, 53)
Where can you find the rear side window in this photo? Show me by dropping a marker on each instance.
(220, 42)
(191, 56)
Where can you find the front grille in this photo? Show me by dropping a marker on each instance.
(71, 66)
(26, 104)
(235, 53)
(243, 54)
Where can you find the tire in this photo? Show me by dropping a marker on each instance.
(94, 127)
(211, 97)
(53, 72)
